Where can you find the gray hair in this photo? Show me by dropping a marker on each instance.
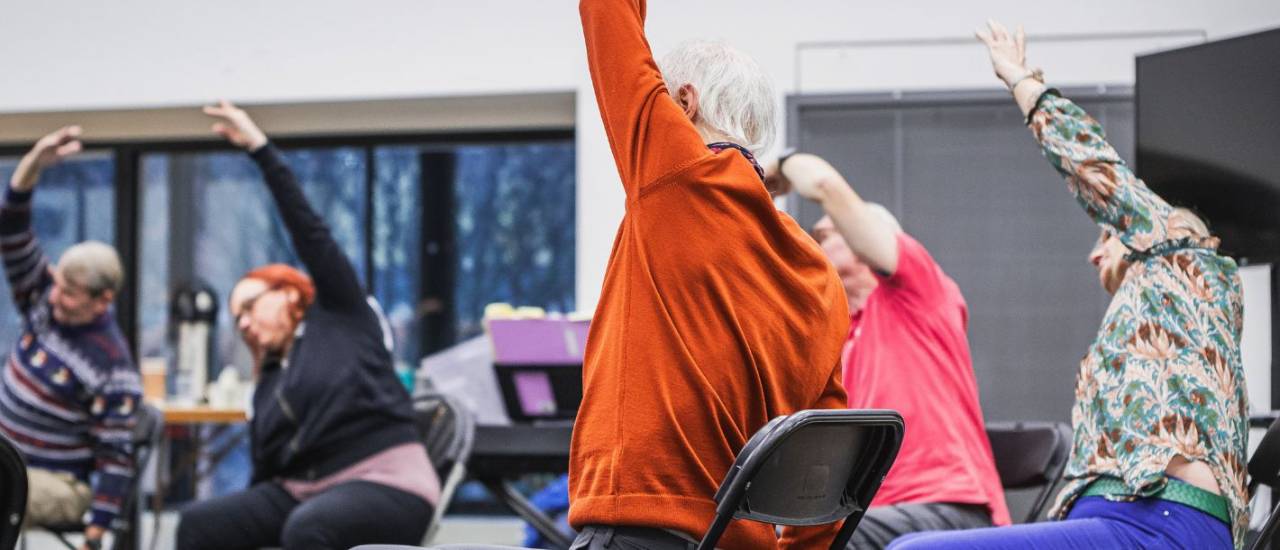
(93, 265)
(735, 95)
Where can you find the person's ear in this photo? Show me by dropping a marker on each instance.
(687, 97)
(103, 301)
(292, 295)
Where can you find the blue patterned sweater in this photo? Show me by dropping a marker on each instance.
(68, 394)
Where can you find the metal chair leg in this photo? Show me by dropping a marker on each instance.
(1268, 529)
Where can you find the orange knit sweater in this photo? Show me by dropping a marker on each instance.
(718, 312)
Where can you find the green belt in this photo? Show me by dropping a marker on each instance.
(1175, 490)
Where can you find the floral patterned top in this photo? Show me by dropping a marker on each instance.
(1164, 375)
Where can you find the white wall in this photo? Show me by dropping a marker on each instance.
(1255, 339)
(69, 54)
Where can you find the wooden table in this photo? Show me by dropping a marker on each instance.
(201, 414)
(195, 416)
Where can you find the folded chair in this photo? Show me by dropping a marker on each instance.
(1030, 455)
(448, 429)
(13, 493)
(1264, 469)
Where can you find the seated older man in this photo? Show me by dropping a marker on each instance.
(70, 390)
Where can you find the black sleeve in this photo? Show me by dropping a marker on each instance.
(337, 286)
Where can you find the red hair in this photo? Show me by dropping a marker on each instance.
(278, 276)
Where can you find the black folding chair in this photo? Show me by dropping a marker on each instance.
(1264, 469)
(13, 493)
(146, 437)
(810, 468)
(1030, 455)
(448, 430)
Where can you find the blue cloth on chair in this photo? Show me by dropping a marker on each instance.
(553, 500)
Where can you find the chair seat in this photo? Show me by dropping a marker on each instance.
(444, 547)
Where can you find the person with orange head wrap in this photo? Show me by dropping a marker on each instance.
(337, 461)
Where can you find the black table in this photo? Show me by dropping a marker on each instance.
(502, 454)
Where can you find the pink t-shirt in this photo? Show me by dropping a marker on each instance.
(405, 467)
(908, 350)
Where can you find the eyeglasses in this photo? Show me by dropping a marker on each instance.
(246, 306)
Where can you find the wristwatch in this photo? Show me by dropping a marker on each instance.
(786, 154)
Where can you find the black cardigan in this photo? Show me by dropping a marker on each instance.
(335, 399)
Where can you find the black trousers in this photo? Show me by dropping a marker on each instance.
(349, 514)
(882, 524)
(604, 537)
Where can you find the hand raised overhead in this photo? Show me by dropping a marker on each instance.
(48, 151)
(1008, 51)
(235, 125)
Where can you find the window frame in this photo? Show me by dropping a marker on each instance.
(127, 184)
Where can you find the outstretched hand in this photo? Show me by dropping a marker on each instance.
(50, 150)
(235, 125)
(1008, 51)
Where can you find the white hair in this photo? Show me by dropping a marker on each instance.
(735, 97)
(93, 265)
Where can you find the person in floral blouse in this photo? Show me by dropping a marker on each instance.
(1160, 415)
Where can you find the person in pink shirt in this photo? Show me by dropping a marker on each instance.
(907, 350)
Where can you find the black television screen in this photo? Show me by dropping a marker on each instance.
(1208, 133)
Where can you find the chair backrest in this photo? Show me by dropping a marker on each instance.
(1264, 465)
(13, 493)
(1264, 469)
(147, 432)
(810, 468)
(447, 428)
(1029, 455)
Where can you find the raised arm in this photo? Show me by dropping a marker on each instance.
(868, 236)
(1076, 146)
(337, 285)
(649, 133)
(25, 264)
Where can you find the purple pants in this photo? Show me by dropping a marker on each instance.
(1094, 523)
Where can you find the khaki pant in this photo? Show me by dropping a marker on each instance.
(55, 498)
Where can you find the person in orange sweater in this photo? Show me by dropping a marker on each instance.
(717, 313)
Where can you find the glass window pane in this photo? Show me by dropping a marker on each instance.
(74, 202)
(514, 221)
(513, 218)
(397, 238)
